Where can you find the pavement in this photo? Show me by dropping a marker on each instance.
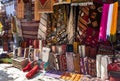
(10, 73)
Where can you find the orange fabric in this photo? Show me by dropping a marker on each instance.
(20, 9)
(36, 10)
(114, 21)
(47, 7)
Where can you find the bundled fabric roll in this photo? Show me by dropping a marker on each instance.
(70, 64)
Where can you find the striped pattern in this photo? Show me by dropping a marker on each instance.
(42, 26)
(29, 29)
(82, 22)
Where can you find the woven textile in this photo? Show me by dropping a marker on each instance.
(42, 26)
(59, 35)
(103, 25)
(76, 61)
(28, 10)
(45, 6)
(20, 9)
(95, 12)
(70, 64)
(82, 23)
(114, 22)
(29, 29)
(36, 9)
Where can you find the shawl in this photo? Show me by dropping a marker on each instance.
(29, 29)
(36, 9)
(114, 22)
(103, 24)
(109, 22)
(20, 9)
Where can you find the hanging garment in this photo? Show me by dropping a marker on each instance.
(50, 30)
(59, 35)
(103, 24)
(20, 9)
(70, 28)
(42, 26)
(36, 10)
(82, 23)
(29, 29)
(114, 22)
(28, 10)
(45, 6)
(109, 22)
(95, 12)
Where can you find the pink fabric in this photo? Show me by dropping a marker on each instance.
(103, 24)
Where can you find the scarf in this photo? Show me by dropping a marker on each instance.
(36, 9)
(103, 24)
(109, 22)
(114, 22)
(20, 9)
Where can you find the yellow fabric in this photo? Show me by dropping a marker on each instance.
(114, 21)
(36, 10)
(20, 9)
(1, 26)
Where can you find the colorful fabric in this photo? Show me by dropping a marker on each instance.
(28, 10)
(59, 25)
(98, 66)
(45, 6)
(82, 23)
(114, 22)
(70, 28)
(20, 9)
(29, 29)
(103, 24)
(36, 9)
(91, 67)
(1, 27)
(62, 62)
(105, 60)
(70, 64)
(42, 26)
(109, 22)
(95, 12)
(76, 61)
